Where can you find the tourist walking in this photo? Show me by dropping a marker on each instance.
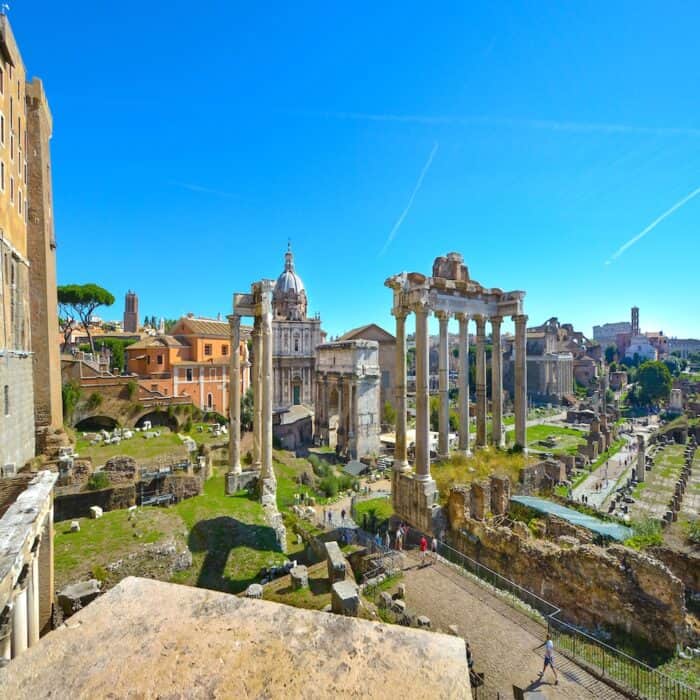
(399, 536)
(549, 659)
(330, 517)
(434, 548)
(342, 515)
(387, 539)
(423, 550)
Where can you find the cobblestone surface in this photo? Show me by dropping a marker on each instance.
(504, 641)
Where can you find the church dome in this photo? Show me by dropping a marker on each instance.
(289, 296)
(289, 280)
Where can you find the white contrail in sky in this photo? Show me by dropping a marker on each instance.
(652, 225)
(419, 183)
(547, 124)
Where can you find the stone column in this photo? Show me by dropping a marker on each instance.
(521, 380)
(496, 383)
(354, 452)
(400, 451)
(33, 626)
(326, 412)
(20, 636)
(464, 383)
(5, 636)
(443, 386)
(480, 381)
(234, 438)
(257, 392)
(640, 469)
(340, 436)
(422, 395)
(267, 471)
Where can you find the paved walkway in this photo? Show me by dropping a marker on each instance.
(504, 641)
(601, 483)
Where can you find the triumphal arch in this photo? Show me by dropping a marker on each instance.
(449, 293)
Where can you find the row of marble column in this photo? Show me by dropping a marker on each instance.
(20, 623)
(261, 379)
(422, 442)
(347, 407)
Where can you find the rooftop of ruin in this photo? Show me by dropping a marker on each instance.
(172, 640)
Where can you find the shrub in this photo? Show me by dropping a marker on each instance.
(71, 395)
(187, 427)
(647, 533)
(329, 485)
(694, 531)
(98, 480)
(94, 400)
(132, 389)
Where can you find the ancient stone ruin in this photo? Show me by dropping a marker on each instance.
(450, 292)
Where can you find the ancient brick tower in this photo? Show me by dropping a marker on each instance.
(131, 313)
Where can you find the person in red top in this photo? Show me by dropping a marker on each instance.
(423, 549)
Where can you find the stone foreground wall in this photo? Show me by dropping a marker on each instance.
(615, 587)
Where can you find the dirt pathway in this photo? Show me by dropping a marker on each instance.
(504, 641)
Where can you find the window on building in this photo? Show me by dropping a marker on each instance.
(159, 359)
(12, 112)
(148, 359)
(296, 344)
(154, 387)
(385, 379)
(2, 175)
(7, 399)
(224, 349)
(12, 189)
(12, 145)
(26, 212)
(210, 401)
(19, 200)
(2, 128)
(188, 374)
(207, 349)
(2, 81)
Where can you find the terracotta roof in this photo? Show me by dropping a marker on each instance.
(156, 341)
(361, 332)
(210, 328)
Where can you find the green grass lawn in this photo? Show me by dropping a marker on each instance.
(227, 535)
(103, 541)
(380, 507)
(167, 446)
(567, 439)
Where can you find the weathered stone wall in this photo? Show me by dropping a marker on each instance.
(685, 565)
(17, 425)
(616, 588)
(77, 505)
(11, 488)
(41, 250)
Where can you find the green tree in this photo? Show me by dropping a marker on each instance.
(654, 381)
(71, 395)
(117, 348)
(247, 410)
(610, 353)
(81, 300)
(389, 414)
(674, 365)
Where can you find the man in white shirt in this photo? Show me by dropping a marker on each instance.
(549, 659)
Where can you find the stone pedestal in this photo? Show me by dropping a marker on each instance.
(255, 590)
(416, 501)
(345, 599)
(299, 577)
(336, 562)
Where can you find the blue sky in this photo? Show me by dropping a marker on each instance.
(192, 140)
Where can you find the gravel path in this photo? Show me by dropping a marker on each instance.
(504, 641)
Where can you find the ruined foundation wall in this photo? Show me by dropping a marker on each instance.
(615, 587)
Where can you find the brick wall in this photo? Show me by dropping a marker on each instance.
(16, 428)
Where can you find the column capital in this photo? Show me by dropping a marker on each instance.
(442, 315)
(400, 312)
(480, 324)
(496, 320)
(461, 316)
(234, 321)
(520, 319)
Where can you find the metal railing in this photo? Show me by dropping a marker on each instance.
(612, 666)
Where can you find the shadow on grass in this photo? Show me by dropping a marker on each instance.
(221, 537)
